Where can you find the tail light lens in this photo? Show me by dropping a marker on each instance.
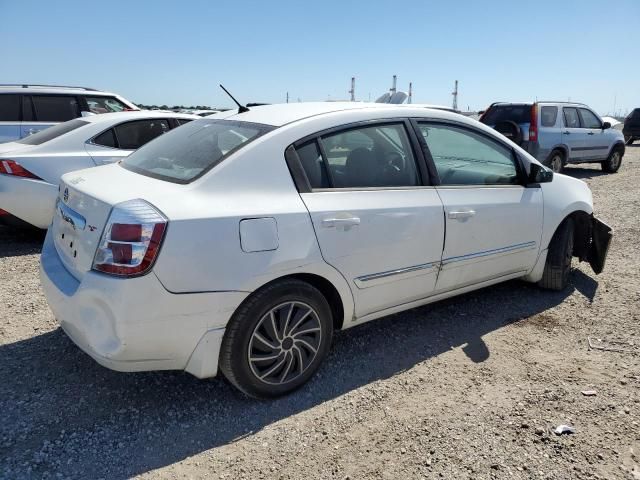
(131, 239)
(11, 167)
(533, 124)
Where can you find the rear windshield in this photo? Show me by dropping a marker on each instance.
(185, 153)
(507, 113)
(53, 132)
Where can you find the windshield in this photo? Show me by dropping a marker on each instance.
(52, 132)
(505, 113)
(190, 151)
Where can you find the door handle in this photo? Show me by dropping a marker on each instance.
(566, 132)
(590, 133)
(340, 222)
(461, 214)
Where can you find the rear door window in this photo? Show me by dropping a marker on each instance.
(369, 157)
(9, 108)
(571, 118)
(188, 152)
(132, 135)
(106, 139)
(589, 120)
(548, 116)
(55, 108)
(508, 113)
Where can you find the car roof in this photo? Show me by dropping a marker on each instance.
(135, 114)
(59, 89)
(280, 114)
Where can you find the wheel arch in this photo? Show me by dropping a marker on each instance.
(617, 144)
(558, 147)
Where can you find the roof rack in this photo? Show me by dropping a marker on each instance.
(560, 101)
(25, 85)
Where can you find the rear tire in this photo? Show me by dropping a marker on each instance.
(556, 161)
(612, 164)
(558, 264)
(277, 339)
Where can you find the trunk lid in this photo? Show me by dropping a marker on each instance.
(84, 203)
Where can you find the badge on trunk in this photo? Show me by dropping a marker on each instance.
(65, 195)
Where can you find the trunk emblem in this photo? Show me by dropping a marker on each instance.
(65, 196)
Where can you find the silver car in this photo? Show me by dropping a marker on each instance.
(558, 133)
(27, 109)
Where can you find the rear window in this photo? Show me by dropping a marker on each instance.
(53, 132)
(548, 116)
(9, 108)
(186, 153)
(507, 113)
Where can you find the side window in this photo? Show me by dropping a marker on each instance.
(55, 108)
(27, 109)
(106, 139)
(589, 120)
(548, 116)
(132, 135)
(463, 157)
(182, 121)
(571, 119)
(104, 104)
(9, 108)
(313, 166)
(376, 156)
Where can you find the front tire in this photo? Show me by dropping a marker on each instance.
(558, 264)
(612, 164)
(277, 339)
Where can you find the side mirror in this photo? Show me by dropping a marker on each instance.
(539, 174)
(606, 125)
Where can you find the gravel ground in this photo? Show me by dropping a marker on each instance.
(465, 388)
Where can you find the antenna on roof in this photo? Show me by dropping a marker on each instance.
(241, 108)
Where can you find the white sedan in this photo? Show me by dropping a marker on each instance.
(30, 168)
(239, 243)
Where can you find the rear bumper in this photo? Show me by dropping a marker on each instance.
(136, 324)
(32, 201)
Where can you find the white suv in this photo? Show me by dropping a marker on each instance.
(241, 241)
(27, 109)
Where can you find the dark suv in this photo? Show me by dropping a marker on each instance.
(27, 109)
(631, 130)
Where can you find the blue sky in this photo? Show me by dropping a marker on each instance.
(170, 52)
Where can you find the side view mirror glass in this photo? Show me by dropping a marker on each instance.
(540, 174)
(606, 125)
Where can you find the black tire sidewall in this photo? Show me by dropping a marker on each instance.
(607, 166)
(244, 321)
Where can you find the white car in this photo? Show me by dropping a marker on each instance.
(30, 168)
(240, 243)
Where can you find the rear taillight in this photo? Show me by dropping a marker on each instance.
(131, 239)
(11, 167)
(533, 124)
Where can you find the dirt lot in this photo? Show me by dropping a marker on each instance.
(466, 388)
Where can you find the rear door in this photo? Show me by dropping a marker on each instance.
(42, 111)
(118, 142)
(597, 139)
(573, 135)
(9, 117)
(493, 223)
(377, 222)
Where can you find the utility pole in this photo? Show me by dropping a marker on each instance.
(393, 86)
(455, 96)
(353, 89)
(287, 97)
(410, 92)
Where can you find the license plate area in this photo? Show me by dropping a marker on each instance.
(68, 227)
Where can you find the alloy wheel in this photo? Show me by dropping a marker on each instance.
(556, 163)
(615, 160)
(284, 343)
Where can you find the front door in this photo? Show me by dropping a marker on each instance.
(493, 223)
(375, 219)
(597, 140)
